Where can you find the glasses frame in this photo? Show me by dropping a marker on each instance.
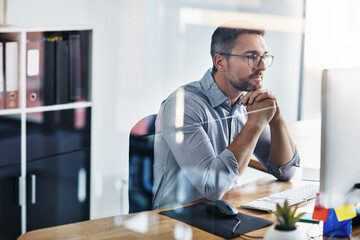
(250, 56)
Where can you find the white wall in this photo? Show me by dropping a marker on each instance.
(143, 50)
(332, 41)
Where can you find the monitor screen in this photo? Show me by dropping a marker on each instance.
(340, 137)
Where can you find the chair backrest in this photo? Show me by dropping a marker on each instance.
(141, 159)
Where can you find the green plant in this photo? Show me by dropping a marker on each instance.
(286, 216)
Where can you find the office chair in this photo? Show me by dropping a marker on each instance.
(141, 159)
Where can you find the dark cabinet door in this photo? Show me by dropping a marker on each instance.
(10, 210)
(10, 148)
(58, 189)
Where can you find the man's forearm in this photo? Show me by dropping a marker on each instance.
(244, 144)
(282, 147)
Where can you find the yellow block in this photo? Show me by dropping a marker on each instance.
(345, 212)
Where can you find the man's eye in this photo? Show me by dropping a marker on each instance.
(253, 57)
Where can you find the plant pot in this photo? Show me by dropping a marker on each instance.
(295, 234)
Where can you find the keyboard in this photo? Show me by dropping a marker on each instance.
(294, 196)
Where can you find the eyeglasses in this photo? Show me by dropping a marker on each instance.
(254, 60)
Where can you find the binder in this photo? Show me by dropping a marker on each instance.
(49, 72)
(2, 86)
(62, 71)
(11, 74)
(35, 73)
(75, 65)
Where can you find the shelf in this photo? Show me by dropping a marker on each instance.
(13, 29)
(10, 111)
(45, 113)
(59, 107)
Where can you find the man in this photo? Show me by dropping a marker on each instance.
(207, 130)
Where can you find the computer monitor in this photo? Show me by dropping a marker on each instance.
(340, 137)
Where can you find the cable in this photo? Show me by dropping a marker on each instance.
(239, 221)
(312, 237)
(245, 235)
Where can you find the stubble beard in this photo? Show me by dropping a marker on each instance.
(244, 84)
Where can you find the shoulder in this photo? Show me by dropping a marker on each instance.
(189, 94)
(190, 98)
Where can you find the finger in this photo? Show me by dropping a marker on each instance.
(265, 95)
(250, 97)
(246, 98)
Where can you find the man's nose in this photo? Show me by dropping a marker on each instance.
(262, 65)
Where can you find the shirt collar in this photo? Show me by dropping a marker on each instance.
(212, 91)
(214, 94)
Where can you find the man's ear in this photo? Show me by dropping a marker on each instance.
(220, 62)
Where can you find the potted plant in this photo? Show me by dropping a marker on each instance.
(285, 228)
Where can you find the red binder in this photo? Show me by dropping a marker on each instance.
(34, 73)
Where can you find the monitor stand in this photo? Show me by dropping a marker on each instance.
(356, 220)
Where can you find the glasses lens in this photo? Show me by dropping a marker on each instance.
(268, 60)
(254, 61)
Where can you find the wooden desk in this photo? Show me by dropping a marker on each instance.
(151, 225)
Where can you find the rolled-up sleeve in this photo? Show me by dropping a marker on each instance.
(284, 172)
(262, 152)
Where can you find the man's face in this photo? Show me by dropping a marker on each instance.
(239, 74)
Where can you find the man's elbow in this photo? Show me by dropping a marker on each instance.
(286, 175)
(214, 194)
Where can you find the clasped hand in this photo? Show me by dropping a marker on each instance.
(260, 99)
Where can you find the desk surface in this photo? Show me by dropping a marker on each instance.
(151, 225)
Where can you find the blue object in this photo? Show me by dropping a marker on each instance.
(307, 217)
(334, 228)
(141, 158)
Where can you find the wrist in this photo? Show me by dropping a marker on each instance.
(256, 124)
(277, 120)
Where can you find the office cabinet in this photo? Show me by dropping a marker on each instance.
(58, 188)
(10, 209)
(45, 128)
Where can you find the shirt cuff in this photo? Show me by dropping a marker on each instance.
(284, 172)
